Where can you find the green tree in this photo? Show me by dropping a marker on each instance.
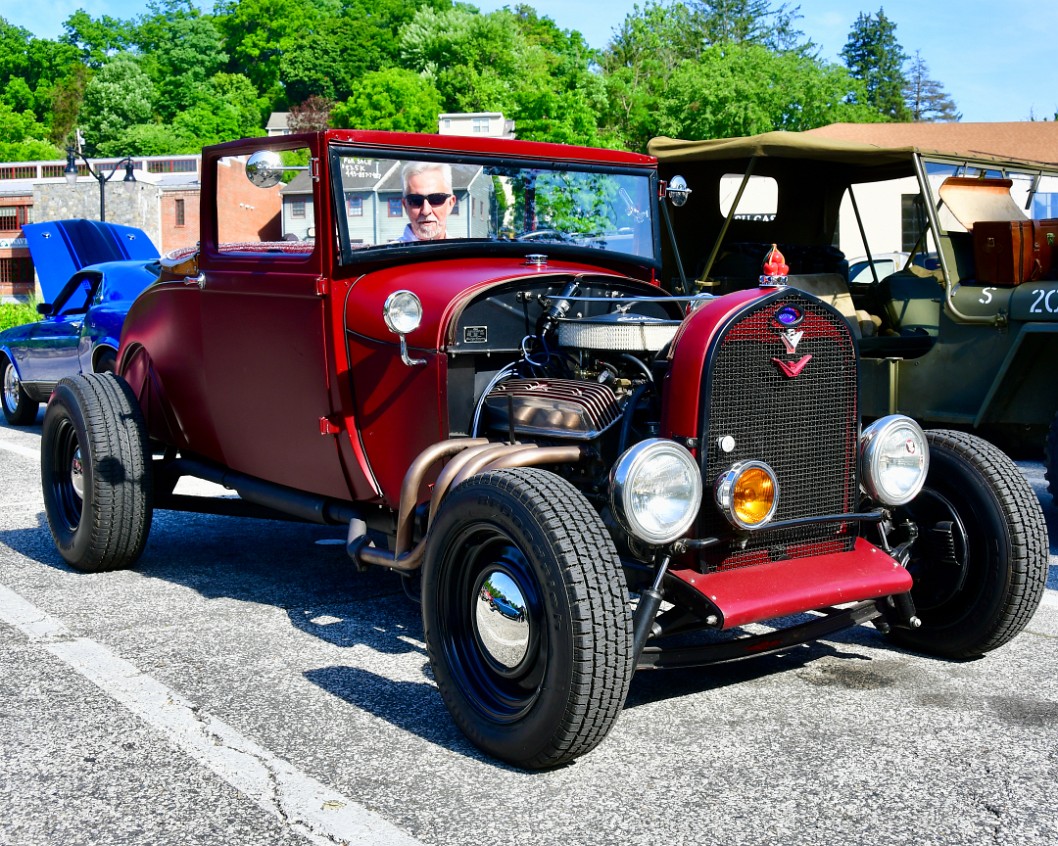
(22, 137)
(237, 91)
(394, 99)
(328, 58)
(66, 97)
(514, 62)
(96, 39)
(117, 97)
(259, 32)
(749, 22)
(180, 49)
(873, 55)
(649, 46)
(926, 99)
(738, 90)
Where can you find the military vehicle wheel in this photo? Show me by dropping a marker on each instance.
(980, 561)
(541, 679)
(19, 408)
(96, 472)
(1050, 459)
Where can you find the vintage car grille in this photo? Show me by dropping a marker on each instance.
(804, 426)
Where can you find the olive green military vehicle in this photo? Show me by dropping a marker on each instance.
(964, 334)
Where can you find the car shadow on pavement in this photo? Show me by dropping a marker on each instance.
(300, 568)
(413, 706)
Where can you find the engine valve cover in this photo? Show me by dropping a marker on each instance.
(558, 408)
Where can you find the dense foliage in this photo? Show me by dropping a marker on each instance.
(175, 79)
(15, 314)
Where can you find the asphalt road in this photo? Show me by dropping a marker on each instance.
(245, 685)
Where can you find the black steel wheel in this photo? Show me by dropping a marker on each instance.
(980, 561)
(526, 616)
(19, 408)
(96, 473)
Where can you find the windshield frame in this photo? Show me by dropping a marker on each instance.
(348, 255)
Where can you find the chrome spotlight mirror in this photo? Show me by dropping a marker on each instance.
(677, 191)
(265, 169)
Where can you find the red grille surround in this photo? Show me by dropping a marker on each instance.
(806, 427)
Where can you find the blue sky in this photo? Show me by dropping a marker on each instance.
(996, 58)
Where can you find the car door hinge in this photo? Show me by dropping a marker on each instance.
(314, 168)
(329, 427)
(322, 286)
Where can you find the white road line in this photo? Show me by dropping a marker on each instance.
(28, 452)
(1050, 598)
(308, 807)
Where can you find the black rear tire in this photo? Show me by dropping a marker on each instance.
(19, 408)
(980, 562)
(96, 473)
(541, 680)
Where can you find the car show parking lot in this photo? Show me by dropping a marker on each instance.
(244, 683)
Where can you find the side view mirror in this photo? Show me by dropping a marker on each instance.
(677, 191)
(265, 169)
(44, 309)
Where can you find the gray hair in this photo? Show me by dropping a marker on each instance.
(415, 168)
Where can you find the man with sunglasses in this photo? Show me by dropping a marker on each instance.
(427, 200)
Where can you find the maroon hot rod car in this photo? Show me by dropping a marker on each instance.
(461, 351)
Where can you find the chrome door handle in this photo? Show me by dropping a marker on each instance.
(199, 280)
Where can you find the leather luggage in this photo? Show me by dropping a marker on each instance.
(1004, 252)
(1046, 247)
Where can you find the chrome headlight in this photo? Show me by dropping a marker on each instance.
(402, 312)
(747, 494)
(894, 460)
(656, 491)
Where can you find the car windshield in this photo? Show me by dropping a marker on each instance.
(388, 202)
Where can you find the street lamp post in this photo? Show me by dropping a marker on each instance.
(71, 173)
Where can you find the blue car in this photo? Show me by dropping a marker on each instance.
(81, 327)
(78, 333)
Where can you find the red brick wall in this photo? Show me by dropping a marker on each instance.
(247, 213)
(175, 235)
(16, 269)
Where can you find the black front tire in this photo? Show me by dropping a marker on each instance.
(560, 691)
(981, 558)
(96, 473)
(19, 408)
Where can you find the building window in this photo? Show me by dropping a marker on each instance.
(396, 209)
(297, 209)
(180, 219)
(12, 218)
(16, 271)
(479, 125)
(354, 206)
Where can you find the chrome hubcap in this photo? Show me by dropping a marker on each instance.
(502, 620)
(77, 473)
(11, 388)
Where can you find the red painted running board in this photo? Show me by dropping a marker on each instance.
(780, 588)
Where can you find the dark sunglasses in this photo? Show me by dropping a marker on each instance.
(416, 200)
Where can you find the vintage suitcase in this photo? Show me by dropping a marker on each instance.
(1045, 244)
(1004, 252)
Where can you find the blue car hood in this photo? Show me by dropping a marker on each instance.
(62, 247)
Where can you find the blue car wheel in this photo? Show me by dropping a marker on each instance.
(19, 408)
